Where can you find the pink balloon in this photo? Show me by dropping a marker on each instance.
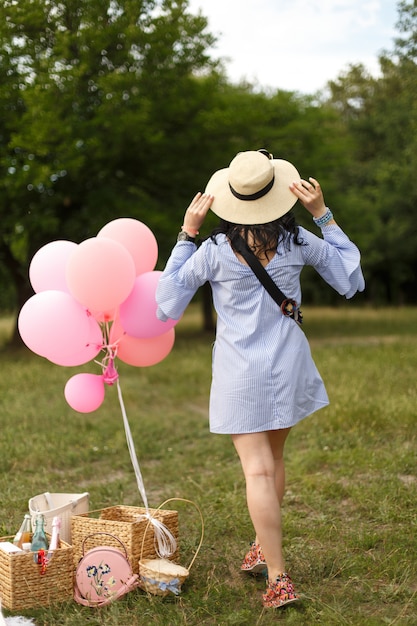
(85, 392)
(105, 316)
(137, 238)
(138, 311)
(87, 353)
(141, 352)
(47, 268)
(52, 323)
(100, 273)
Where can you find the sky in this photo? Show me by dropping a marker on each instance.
(298, 45)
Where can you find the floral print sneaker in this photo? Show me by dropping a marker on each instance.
(254, 562)
(279, 592)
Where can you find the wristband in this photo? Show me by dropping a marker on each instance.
(323, 219)
(193, 231)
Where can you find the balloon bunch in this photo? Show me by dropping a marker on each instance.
(92, 297)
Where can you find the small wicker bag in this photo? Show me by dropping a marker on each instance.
(161, 577)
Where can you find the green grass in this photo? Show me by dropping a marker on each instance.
(350, 511)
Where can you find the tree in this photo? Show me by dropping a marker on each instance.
(95, 96)
(114, 108)
(406, 45)
(381, 115)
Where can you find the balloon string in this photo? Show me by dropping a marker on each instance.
(110, 374)
(165, 542)
(132, 451)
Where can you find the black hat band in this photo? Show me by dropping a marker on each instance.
(253, 196)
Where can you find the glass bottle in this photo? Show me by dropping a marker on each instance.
(39, 540)
(55, 536)
(24, 534)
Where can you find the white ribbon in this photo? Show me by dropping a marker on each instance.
(165, 542)
(131, 447)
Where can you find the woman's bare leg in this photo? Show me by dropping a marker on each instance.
(261, 456)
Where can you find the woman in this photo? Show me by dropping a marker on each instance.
(264, 378)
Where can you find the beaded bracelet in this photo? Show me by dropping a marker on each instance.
(323, 219)
(193, 231)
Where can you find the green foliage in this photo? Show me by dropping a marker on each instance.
(406, 45)
(95, 94)
(115, 108)
(380, 183)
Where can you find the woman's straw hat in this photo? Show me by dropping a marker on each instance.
(254, 189)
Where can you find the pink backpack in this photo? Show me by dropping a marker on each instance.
(103, 575)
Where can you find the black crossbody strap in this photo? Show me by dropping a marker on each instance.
(259, 270)
(288, 306)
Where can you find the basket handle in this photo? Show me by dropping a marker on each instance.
(202, 526)
(109, 535)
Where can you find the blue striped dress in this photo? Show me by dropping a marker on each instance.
(263, 374)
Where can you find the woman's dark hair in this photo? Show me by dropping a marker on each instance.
(267, 236)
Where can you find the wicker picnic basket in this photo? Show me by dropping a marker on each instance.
(22, 586)
(127, 524)
(161, 576)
